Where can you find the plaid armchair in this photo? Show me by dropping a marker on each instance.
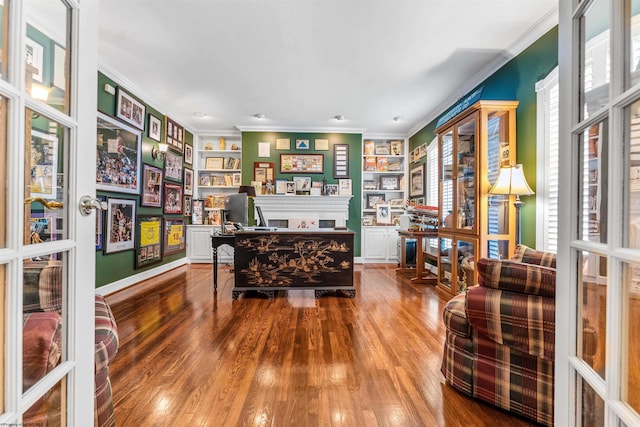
(500, 337)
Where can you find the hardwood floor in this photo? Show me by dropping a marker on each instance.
(192, 357)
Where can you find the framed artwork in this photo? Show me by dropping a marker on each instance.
(187, 205)
(173, 235)
(290, 187)
(155, 128)
(302, 144)
(303, 183)
(301, 163)
(120, 222)
(383, 213)
(281, 186)
(369, 148)
(321, 144)
(173, 166)
(341, 161)
(214, 163)
(34, 56)
(174, 134)
(390, 182)
(204, 180)
(373, 199)
(188, 181)
(172, 198)
(345, 187)
(188, 154)
(44, 165)
(416, 181)
(332, 189)
(382, 149)
(263, 171)
(149, 247)
(236, 179)
(197, 211)
(151, 186)
(100, 225)
(118, 156)
(130, 109)
(283, 144)
(396, 147)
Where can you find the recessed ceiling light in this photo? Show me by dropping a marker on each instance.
(397, 118)
(339, 117)
(259, 116)
(200, 114)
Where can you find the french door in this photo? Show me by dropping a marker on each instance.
(598, 337)
(48, 79)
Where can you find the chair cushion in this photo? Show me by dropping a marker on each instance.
(531, 256)
(454, 316)
(515, 276)
(50, 287)
(106, 338)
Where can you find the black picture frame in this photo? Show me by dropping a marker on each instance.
(118, 156)
(390, 182)
(152, 178)
(149, 240)
(173, 232)
(301, 163)
(373, 199)
(341, 161)
(155, 128)
(100, 225)
(129, 109)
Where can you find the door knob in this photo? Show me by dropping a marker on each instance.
(87, 203)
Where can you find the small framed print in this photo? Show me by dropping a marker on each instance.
(187, 205)
(188, 182)
(321, 144)
(197, 211)
(129, 109)
(303, 183)
(174, 134)
(383, 213)
(214, 163)
(341, 161)
(390, 182)
(396, 147)
(155, 128)
(237, 179)
(290, 187)
(332, 189)
(120, 225)
(173, 166)
(382, 149)
(151, 186)
(188, 154)
(283, 144)
(172, 198)
(416, 187)
(281, 186)
(374, 199)
(302, 144)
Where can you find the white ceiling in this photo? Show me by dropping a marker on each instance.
(302, 62)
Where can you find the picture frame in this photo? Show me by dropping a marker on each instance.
(290, 187)
(118, 156)
(34, 56)
(174, 134)
(382, 149)
(303, 183)
(173, 166)
(120, 218)
(155, 128)
(416, 181)
(44, 165)
(397, 147)
(301, 163)
(302, 144)
(263, 171)
(204, 180)
(100, 225)
(372, 199)
(197, 211)
(188, 154)
(369, 148)
(173, 232)
(149, 247)
(390, 182)
(237, 179)
(332, 189)
(383, 213)
(172, 198)
(321, 144)
(152, 178)
(283, 144)
(187, 203)
(214, 163)
(129, 109)
(281, 186)
(345, 187)
(188, 182)
(341, 161)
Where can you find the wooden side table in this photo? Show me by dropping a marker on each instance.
(422, 276)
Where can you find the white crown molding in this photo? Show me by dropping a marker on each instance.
(319, 129)
(384, 136)
(537, 30)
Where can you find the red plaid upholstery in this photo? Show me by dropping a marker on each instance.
(50, 287)
(500, 335)
(106, 347)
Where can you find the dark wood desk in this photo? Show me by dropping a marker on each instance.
(422, 277)
(218, 240)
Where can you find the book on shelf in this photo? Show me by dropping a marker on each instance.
(370, 163)
(396, 148)
(369, 148)
(382, 164)
(228, 180)
(394, 165)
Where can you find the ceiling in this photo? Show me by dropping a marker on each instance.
(303, 62)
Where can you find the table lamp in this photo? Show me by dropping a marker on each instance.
(511, 181)
(249, 189)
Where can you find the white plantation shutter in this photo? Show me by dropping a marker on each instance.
(547, 172)
(493, 170)
(431, 198)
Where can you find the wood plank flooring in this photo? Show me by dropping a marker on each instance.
(192, 357)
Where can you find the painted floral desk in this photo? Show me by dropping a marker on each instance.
(318, 259)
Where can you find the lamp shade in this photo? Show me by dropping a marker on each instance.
(249, 189)
(511, 181)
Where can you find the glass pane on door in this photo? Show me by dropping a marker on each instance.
(46, 52)
(594, 178)
(595, 57)
(634, 43)
(467, 174)
(4, 35)
(3, 332)
(3, 172)
(592, 312)
(446, 176)
(590, 406)
(445, 248)
(632, 368)
(466, 258)
(47, 411)
(46, 181)
(633, 192)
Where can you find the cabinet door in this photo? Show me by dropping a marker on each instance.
(467, 185)
(199, 244)
(375, 243)
(392, 245)
(456, 263)
(446, 181)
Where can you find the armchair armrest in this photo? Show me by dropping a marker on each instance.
(518, 277)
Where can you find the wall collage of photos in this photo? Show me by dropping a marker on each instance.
(148, 191)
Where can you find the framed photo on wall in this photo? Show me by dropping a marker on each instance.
(341, 161)
(416, 180)
(151, 186)
(172, 198)
(188, 154)
(155, 126)
(100, 225)
(173, 235)
(129, 109)
(44, 165)
(120, 235)
(174, 134)
(149, 247)
(173, 166)
(118, 156)
(188, 181)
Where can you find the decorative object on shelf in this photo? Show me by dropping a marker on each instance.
(197, 211)
(129, 109)
(155, 128)
(511, 181)
(174, 134)
(173, 235)
(188, 181)
(214, 163)
(341, 161)
(188, 154)
(258, 187)
(118, 156)
(382, 148)
(302, 144)
(237, 179)
(208, 146)
(151, 186)
(382, 164)
(369, 164)
(323, 189)
(416, 179)
(383, 213)
(222, 142)
(283, 144)
(281, 186)
(390, 182)
(397, 148)
(234, 147)
(149, 242)
(173, 166)
(290, 187)
(369, 148)
(187, 205)
(303, 184)
(332, 190)
(120, 222)
(304, 163)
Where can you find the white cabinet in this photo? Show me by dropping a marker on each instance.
(380, 244)
(199, 245)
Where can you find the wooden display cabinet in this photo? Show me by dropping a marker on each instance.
(473, 146)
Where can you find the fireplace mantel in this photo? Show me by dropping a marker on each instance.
(284, 207)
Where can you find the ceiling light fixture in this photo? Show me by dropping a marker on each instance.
(397, 119)
(339, 117)
(259, 116)
(200, 114)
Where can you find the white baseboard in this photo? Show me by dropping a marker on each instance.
(132, 280)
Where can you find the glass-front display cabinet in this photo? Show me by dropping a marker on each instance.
(474, 145)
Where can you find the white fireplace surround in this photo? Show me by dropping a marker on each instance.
(285, 207)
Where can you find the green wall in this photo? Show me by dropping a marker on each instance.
(516, 80)
(354, 140)
(117, 266)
